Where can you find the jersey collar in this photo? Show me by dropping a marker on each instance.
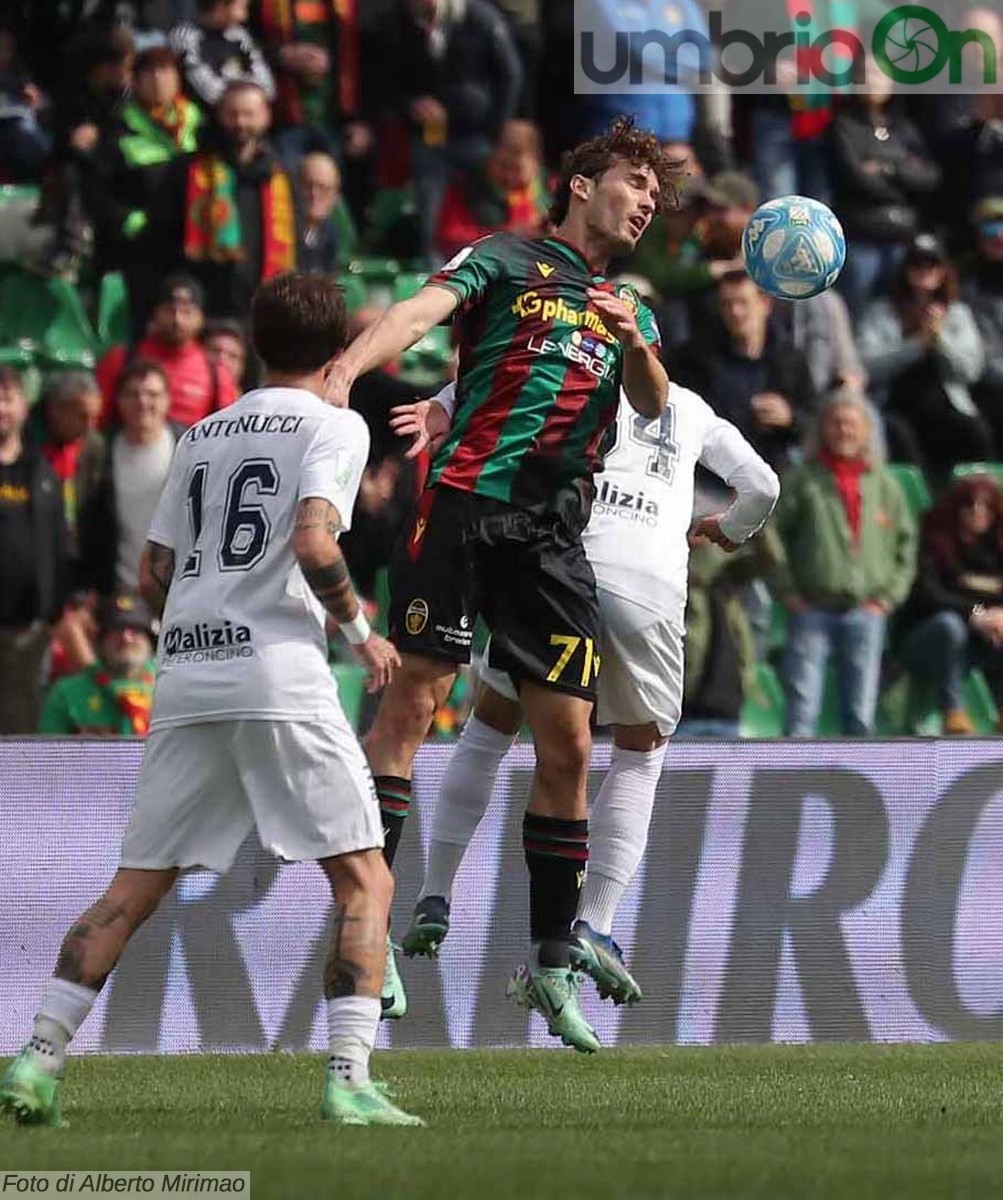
(572, 254)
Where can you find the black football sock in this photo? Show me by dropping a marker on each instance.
(395, 801)
(556, 853)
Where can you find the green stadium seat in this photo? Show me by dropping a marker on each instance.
(979, 703)
(354, 288)
(913, 483)
(993, 469)
(46, 317)
(409, 284)
(911, 709)
(765, 707)
(428, 361)
(351, 681)
(381, 594)
(113, 326)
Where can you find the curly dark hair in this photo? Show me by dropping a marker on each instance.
(623, 140)
(941, 529)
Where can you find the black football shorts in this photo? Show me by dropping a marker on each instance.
(464, 555)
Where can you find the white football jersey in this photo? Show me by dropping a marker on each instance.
(636, 539)
(242, 634)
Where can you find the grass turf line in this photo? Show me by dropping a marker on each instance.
(832, 1122)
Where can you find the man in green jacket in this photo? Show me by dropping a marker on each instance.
(112, 697)
(850, 559)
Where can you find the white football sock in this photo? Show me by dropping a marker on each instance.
(63, 1010)
(351, 1029)
(462, 802)
(618, 832)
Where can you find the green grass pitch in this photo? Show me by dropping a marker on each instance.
(812, 1123)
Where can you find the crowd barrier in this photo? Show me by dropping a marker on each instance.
(792, 891)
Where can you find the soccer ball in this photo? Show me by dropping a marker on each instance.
(793, 247)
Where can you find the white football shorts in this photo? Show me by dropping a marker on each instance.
(641, 676)
(306, 785)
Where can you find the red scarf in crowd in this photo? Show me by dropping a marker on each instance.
(285, 21)
(847, 472)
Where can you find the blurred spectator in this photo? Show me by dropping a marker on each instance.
(34, 561)
(225, 214)
(749, 374)
(386, 498)
(448, 70)
(226, 348)
(112, 697)
(955, 612)
(922, 352)
(820, 328)
(327, 232)
(313, 50)
(684, 255)
(24, 145)
(216, 50)
(115, 523)
(509, 193)
(850, 548)
(882, 173)
(525, 20)
(69, 410)
(157, 124)
(983, 292)
(88, 100)
(720, 649)
(197, 385)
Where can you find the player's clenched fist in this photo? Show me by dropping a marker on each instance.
(619, 317)
(380, 658)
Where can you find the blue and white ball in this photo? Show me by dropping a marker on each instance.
(793, 247)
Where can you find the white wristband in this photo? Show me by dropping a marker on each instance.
(357, 630)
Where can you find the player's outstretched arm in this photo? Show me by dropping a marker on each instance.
(757, 488)
(156, 571)
(644, 378)
(315, 544)
(397, 329)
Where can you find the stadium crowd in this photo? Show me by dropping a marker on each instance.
(160, 158)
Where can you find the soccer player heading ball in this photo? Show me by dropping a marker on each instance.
(546, 343)
(246, 730)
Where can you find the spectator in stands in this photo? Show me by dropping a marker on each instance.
(326, 230)
(68, 414)
(850, 560)
(450, 71)
(922, 352)
(114, 526)
(227, 213)
(525, 19)
(34, 561)
(113, 696)
(955, 612)
(197, 385)
(226, 348)
(216, 50)
(88, 100)
(24, 145)
(720, 649)
(313, 51)
(820, 328)
(686, 255)
(508, 193)
(157, 124)
(983, 292)
(386, 498)
(749, 374)
(882, 175)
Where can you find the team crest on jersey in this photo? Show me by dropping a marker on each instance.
(629, 297)
(416, 617)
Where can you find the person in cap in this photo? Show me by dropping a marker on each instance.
(983, 293)
(198, 386)
(922, 352)
(113, 696)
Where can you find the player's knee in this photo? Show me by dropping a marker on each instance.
(564, 753)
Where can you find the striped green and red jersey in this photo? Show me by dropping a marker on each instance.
(539, 373)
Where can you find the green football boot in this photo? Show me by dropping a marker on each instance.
(393, 998)
(367, 1105)
(553, 992)
(29, 1093)
(602, 959)
(428, 928)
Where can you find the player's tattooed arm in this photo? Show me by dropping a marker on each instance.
(156, 571)
(315, 544)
